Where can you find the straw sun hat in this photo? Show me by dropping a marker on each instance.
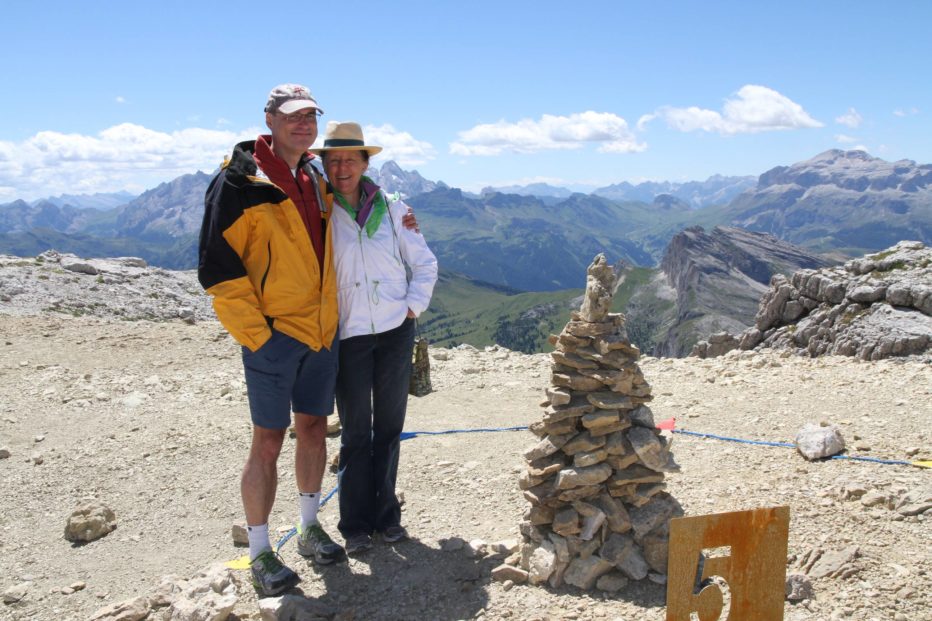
(345, 137)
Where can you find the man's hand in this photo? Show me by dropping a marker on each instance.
(410, 223)
(411, 314)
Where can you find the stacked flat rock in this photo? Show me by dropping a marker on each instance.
(598, 515)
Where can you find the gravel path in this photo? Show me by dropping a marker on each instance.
(150, 418)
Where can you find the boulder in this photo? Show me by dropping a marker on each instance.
(815, 442)
(91, 520)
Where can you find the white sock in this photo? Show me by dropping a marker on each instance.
(258, 540)
(310, 503)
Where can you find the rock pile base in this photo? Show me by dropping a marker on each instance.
(598, 515)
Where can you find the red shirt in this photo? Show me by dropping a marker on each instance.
(300, 189)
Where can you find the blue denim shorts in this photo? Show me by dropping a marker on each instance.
(285, 375)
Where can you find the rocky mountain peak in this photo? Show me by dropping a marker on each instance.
(719, 276)
(873, 307)
(670, 203)
(392, 178)
(169, 210)
(716, 190)
(850, 170)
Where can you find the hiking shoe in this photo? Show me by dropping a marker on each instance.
(270, 576)
(356, 544)
(394, 534)
(315, 543)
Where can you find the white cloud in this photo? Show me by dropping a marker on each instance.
(120, 99)
(908, 112)
(753, 109)
(843, 139)
(122, 157)
(551, 132)
(644, 120)
(851, 119)
(400, 146)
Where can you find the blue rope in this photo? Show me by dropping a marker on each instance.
(894, 462)
(405, 435)
(715, 437)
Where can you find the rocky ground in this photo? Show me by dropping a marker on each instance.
(150, 418)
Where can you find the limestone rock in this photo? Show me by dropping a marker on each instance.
(616, 548)
(579, 477)
(656, 547)
(815, 442)
(91, 520)
(208, 596)
(576, 381)
(600, 286)
(633, 564)
(15, 593)
(591, 525)
(659, 511)
(558, 396)
(652, 450)
(74, 264)
(610, 400)
(611, 582)
(616, 515)
(583, 442)
(566, 522)
(835, 563)
(239, 534)
(583, 572)
(798, 588)
(583, 460)
(873, 307)
(293, 608)
(130, 610)
(506, 572)
(541, 563)
(547, 446)
(599, 419)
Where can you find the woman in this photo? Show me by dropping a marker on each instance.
(378, 304)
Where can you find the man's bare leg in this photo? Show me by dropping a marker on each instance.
(260, 474)
(310, 455)
(310, 461)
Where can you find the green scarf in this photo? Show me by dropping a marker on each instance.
(371, 194)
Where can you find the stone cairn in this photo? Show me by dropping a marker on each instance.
(598, 515)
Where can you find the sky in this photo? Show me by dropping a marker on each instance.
(106, 96)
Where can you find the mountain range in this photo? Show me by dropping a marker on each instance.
(100, 200)
(836, 205)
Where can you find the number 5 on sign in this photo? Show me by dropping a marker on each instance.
(746, 549)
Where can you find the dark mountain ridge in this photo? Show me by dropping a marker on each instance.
(719, 278)
(716, 190)
(840, 200)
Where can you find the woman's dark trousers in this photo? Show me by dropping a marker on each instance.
(372, 395)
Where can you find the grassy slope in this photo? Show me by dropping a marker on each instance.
(470, 311)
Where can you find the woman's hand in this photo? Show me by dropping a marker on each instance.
(410, 222)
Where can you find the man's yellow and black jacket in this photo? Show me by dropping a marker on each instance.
(257, 261)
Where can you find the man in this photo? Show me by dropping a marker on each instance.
(265, 256)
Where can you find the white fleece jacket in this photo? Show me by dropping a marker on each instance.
(374, 294)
